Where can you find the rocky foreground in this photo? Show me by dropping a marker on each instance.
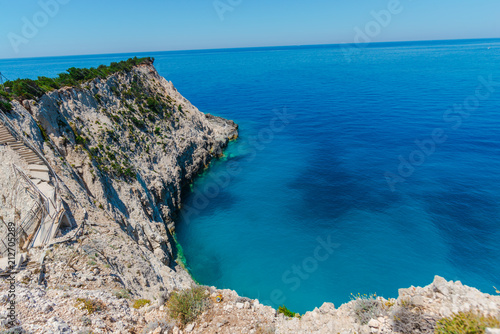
(122, 149)
(416, 310)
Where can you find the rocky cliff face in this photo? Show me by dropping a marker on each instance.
(124, 147)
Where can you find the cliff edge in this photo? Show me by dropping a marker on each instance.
(111, 157)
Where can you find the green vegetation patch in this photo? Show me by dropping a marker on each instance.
(466, 323)
(90, 305)
(5, 106)
(24, 89)
(283, 310)
(141, 303)
(186, 305)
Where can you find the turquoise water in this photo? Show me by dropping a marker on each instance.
(308, 205)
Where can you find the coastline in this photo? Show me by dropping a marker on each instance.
(119, 243)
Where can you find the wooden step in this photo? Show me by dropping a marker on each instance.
(34, 161)
(31, 159)
(27, 153)
(38, 168)
(40, 175)
(17, 145)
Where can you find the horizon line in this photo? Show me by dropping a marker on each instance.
(361, 45)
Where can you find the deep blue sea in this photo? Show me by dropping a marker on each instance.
(362, 170)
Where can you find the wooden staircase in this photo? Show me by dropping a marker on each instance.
(43, 219)
(38, 170)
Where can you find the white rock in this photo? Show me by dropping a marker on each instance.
(373, 323)
(440, 285)
(492, 331)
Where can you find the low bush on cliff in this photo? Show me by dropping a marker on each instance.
(366, 307)
(408, 320)
(3, 93)
(466, 323)
(5, 106)
(141, 303)
(186, 305)
(90, 305)
(283, 310)
(23, 89)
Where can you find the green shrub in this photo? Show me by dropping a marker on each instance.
(25, 89)
(129, 173)
(5, 106)
(152, 104)
(141, 303)
(80, 140)
(116, 91)
(466, 323)
(112, 134)
(111, 156)
(90, 305)
(186, 305)
(137, 122)
(5, 94)
(43, 132)
(287, 312)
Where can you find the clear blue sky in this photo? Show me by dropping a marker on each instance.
(116, 26)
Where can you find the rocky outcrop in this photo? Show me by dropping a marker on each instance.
(123, 148)
(416, 310)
